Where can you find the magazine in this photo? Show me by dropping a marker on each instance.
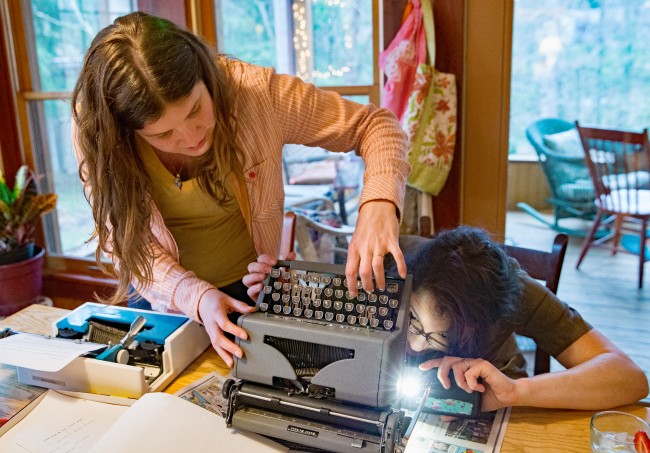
(432, 434)
(206, 393)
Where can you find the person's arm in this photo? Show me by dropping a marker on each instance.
(598, 376)
(314, 117)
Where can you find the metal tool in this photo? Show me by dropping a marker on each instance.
(119, 353)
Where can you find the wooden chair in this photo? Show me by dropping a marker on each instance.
(545, 267)
(619, 164)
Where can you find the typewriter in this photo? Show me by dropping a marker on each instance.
(163, 345)
(320, 367)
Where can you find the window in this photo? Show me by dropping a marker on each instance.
(583, 60)
(327, 42)
(52, 37)
(55, 37)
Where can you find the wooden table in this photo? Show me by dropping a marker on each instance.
(529, 430)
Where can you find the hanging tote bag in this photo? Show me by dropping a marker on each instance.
(430, 118)
(401, 59)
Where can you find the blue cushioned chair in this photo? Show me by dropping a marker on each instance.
(563, 162)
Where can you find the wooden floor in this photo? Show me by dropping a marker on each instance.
(604, 290)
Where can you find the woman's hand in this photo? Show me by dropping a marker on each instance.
(375, 235)
(257, 272)
(214, 308)
(498, 389)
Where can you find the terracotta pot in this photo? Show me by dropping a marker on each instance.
(21, 283)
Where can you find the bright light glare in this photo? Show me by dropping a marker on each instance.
(409, 386)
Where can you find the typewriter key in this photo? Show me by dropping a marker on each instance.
(275, 297)
(340, 317)
(264, 306)
(393, 303)
(308, 313)
(352, 319)
(388, 324)
(268, 289)
(383, 298)
(277, 308)
(361, 308)
(337, 305)
(374, 322)
(372, 297)
(383, 311)
(317, 303)
(327, 304)
(286, 309)
(275, 273)
(361, 297)
(349, 306)
(338, 293)
(392, 287)
(297, 311)
(348, 295)
(363, 320)
(318, 314)
(286, 298)
(329, 316)
(318, 290)
(306, 301)
(328, 292)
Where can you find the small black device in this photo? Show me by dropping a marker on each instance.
(439, 400)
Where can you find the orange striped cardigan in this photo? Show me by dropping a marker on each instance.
(272, 110)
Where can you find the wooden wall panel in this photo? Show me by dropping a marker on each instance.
(449, 19)
(527, 183)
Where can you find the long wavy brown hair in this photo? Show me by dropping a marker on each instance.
(132, 71)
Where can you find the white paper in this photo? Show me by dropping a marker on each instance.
(42, 353)
(61, 423)
(161, 423)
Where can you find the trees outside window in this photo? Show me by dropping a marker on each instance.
(583, 60)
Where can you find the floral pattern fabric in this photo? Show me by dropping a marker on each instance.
(430, 125)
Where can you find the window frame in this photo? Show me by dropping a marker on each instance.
(80, 277)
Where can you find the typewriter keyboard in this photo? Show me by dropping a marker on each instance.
(323, 296)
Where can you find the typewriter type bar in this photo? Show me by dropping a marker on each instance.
(320, 292)
(325, 424)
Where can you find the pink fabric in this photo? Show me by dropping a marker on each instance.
(401, 59)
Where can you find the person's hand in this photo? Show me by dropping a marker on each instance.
(214, 308)
(498, 389)
(257, 272)
(375, 235)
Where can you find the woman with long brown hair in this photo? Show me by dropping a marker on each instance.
(180, 152)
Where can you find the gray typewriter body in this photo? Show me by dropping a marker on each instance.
(327, 380)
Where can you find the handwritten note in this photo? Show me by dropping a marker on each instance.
(41, 353)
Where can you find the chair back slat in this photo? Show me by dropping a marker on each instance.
(546, 267)
(619, 164)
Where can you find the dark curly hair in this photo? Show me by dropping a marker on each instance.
(475, 283)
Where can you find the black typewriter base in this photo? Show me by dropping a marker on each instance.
(314, 425)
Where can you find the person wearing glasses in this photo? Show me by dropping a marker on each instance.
(470, 298)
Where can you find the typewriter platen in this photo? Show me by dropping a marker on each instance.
(320, 367)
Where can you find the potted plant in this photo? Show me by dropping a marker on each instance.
(21, 261)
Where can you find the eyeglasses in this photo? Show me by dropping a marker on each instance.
(437, 340)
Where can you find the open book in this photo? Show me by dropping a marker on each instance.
(157, 422)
